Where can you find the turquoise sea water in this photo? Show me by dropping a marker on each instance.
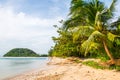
(14, 66)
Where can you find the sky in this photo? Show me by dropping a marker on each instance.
(29, 23)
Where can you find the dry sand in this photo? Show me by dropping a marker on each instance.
(65, 69)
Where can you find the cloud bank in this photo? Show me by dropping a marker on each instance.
(23, 30)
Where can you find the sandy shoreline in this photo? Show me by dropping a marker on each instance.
(63, 69)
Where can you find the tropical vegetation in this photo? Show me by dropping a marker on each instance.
(21, 52)
(91, 30)
(43, 55)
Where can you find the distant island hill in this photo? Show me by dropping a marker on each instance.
(23, 52)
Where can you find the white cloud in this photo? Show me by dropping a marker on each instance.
(23, 25)
(23, 30)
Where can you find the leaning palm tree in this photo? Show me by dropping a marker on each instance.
(92, 19)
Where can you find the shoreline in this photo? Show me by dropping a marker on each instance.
(14, 66)
(64, 69)
(24, 75)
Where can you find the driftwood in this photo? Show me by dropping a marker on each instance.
(116, 62)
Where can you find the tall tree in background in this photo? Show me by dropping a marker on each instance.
(91, 20)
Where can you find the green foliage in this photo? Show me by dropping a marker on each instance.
(43, 55)
(77, 61)
(114, 67)
(98, 66)
(111, 36)
(50, 52)
(85, 31)
(93, 64)
(21, 52)
(64, 45)
(115, 49)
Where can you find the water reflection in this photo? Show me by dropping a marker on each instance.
(13, 66)
(20, 62)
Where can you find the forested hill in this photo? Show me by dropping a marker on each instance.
(21, 52)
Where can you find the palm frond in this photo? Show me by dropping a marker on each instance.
(98, 23)
(115, 23)
(92, 9)
(91, 43)
(82, 31)
(109, 12)
(111, 36)
(112, 6)
(94, 35)
(87, 46)
(76, 7)
(74, 22)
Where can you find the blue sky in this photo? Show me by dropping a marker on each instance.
(29, 23)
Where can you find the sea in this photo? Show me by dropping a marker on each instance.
(12, 66)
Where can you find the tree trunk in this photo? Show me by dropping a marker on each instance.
(108, 53)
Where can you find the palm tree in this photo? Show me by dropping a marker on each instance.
(92, 19)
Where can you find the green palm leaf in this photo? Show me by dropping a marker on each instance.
(90, 43)
(82, 31)
(111, 36)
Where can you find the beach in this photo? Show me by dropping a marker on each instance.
(65, 69)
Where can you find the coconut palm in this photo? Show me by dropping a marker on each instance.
(92, 20)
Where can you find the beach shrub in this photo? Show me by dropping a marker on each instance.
(116, 67)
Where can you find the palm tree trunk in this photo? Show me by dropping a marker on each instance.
(108, 53)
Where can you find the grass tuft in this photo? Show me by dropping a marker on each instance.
(93, 64)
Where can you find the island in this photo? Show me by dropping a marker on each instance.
(21, 52)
